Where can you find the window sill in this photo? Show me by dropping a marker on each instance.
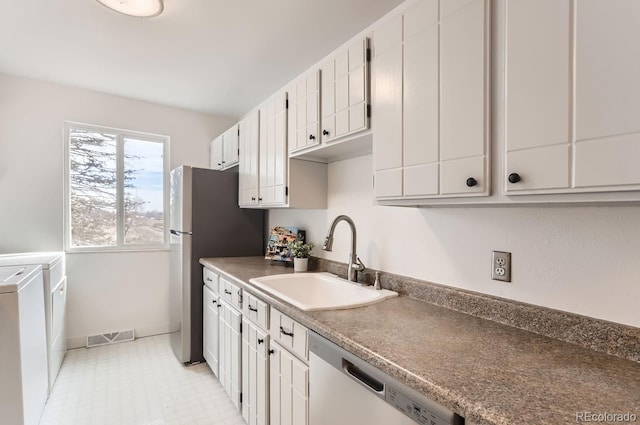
(90, 250)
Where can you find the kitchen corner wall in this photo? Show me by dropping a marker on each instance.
(581, 259)
(107, 291)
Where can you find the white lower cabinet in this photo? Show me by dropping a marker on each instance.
(289, 371)
(289, 388)
(211, 304)
(259, 354)
(255, 374)
(230, 346)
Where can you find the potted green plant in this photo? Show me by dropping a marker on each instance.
(300, 251)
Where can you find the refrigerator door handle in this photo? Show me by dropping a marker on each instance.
(178, 232)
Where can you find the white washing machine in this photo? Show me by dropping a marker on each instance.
(55, 299)
(23, 345)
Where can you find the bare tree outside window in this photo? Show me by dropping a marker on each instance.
(116, 190)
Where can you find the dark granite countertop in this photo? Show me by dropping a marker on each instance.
(488, 372)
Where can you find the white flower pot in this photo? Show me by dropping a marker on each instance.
(300, 264)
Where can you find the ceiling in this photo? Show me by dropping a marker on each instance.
(213, 56)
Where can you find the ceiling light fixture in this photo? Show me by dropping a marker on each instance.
(137, 8)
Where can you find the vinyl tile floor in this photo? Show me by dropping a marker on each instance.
(136, 383)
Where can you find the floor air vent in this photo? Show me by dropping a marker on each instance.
(110, 338)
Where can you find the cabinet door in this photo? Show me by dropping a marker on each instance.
(303, 119)
(345, 92)
(538, 94)
(387, 126)
(358, 76)
(420, 150)
(230, 147)
(210, 329)
(328, 97)
(273, 151)
(248, 161)
(289, 384)
(463, 101)
(312, 134)
(230, 346)
(607, 94)
(216, 153)
(255, 345)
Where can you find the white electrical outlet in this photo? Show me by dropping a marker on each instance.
(501, 266)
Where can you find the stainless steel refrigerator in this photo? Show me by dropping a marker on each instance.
(205, 222)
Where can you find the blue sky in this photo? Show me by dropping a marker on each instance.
(148, 183)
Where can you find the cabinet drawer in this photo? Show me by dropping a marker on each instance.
(256, 310)
(231, 293)
(289, 333)
(211, 280)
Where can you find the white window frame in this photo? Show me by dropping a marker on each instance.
(121, 135)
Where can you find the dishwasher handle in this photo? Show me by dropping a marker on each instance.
(358, 374)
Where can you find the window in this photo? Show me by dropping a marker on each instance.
(116, 189)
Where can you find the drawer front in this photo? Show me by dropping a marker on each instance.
(211, 280)
(289, 333)
(58, 305)
(231, 293)
(256, 310)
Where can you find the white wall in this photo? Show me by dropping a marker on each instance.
(106, 291)
(584, 260)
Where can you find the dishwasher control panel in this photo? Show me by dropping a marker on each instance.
(416, 411)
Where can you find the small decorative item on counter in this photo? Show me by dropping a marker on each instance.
(300, 252)
(279, 239)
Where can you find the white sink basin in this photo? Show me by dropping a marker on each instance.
(320, 291)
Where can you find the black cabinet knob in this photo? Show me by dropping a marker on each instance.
(325, 132)
(253, 198)
(259, 199)
(471, 182)
(219, 163)
(514, 178)
(312, 137)
(271, 352)
(260, 340)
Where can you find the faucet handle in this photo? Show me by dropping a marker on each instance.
(359, 265)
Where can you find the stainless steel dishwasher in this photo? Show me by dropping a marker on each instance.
(345, 390)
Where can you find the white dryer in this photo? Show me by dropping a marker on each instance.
(55, 299)
(23, 349)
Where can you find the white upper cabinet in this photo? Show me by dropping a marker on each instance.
(216, 153)
(268, 178)
(248, 170)
(607, 95)
(572, 96)
(464, 82)
(345, 93)
(273, 151)
(430, 102)
(224, 150)
(538, 94)
(304, 112)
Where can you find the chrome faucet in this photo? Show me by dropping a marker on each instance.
(355, 265)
